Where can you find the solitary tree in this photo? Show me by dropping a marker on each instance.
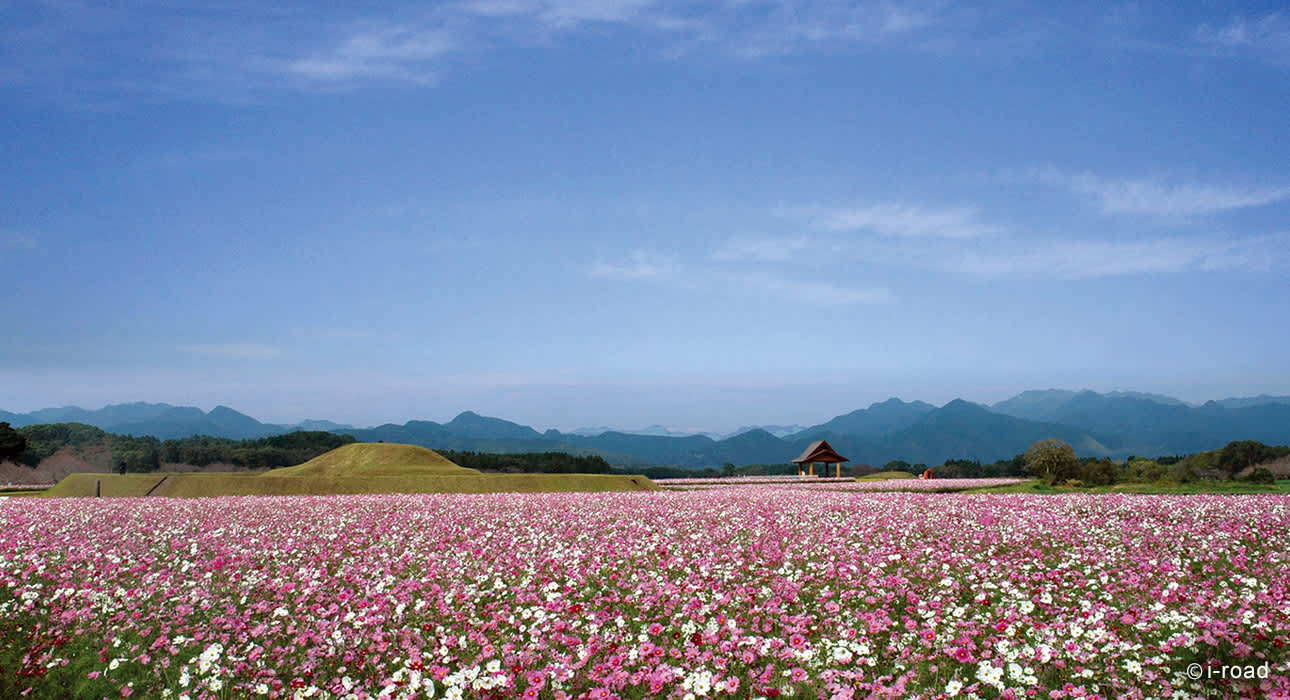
(1052, 460)
(12, 443)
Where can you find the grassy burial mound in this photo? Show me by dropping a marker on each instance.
(354, 468)
(373, 459)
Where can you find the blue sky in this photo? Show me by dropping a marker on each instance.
(700, 214)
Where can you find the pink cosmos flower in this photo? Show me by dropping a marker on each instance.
(367, 583)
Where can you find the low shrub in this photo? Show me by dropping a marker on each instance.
(1260, 475)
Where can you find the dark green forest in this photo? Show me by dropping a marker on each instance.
(12, 442)
(265, 453)
(145, 454)
(31, 444)
(539, 462)
(1239, 460)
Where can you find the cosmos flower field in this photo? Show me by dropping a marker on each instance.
(832, 484)
(766, 592)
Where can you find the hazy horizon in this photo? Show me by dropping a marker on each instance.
(700, 215)
(717, 426)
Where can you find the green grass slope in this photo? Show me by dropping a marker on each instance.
(197, 485)
(355, 468)
(372, 459)
(204, 485)
(885, 476)
(113, 485)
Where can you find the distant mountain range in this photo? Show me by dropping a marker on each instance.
(164, 421)
(1114, 425)
(659, 430)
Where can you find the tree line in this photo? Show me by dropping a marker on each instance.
(286, 450)
(1051, 460)
(1056, 463)
(31, 444)
(529, 462)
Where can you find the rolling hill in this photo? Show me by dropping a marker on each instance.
(877, 420)
(1144, 425)
(964, 430)
(1116, 424)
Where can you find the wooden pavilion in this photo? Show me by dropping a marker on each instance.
(819, 451)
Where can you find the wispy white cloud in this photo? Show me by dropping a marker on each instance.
(238, 351)
(396, 52)
(17, 243)
(1071, 259)
(1258, 36)
(957, 241)
(764, 249)
(907, 238)
(566, 14)
(103, 54)
(640, 265)
(758, 281)
(1163, 197)
(235, 51)
(1267, 35)
(790, 27)
(903, 221)
(810, 291)
(213, 155)
(744, 27)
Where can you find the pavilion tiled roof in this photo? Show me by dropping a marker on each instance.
(820, 451)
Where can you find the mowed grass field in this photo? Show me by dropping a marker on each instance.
(885, 476)
(360, 468)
